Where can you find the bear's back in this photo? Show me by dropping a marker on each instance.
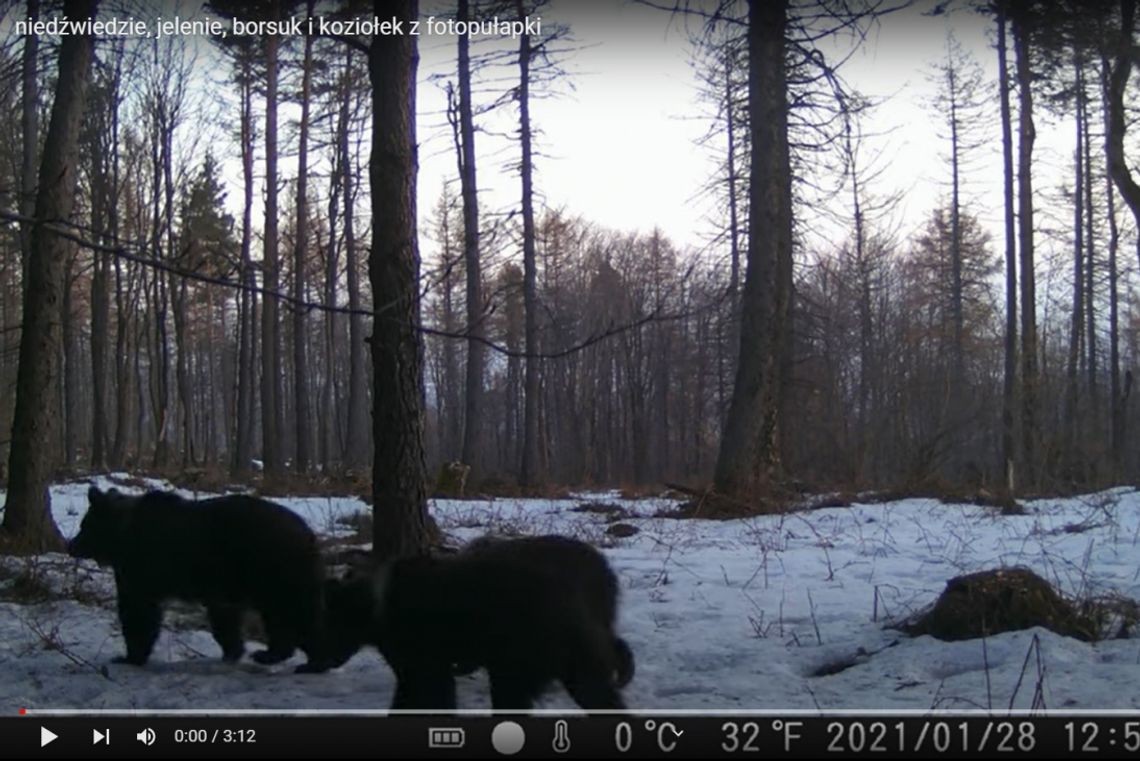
(478, 608)
(234, 546)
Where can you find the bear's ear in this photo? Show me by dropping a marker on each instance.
(94, 494)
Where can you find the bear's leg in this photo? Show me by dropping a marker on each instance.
(225, 622)
(431, 687)
(141, 618)
(594, 690)
(590, 668)
(314, 640)
(281, 634)
(514, 689)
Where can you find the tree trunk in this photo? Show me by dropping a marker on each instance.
(1009, 385)
(1085, 187)
(328, 415)
(247, 325)
(103, 209)
(161, 147)
(100, 308)
(271, 392)
(70, 363)
(399, 500)
(1077, 324)
(726, 351)
(122, 366)
(1119, 396)
(749, 454)
(956, 251)
(356, 433)
(531, 474)
(473, 398)
(1117, 84)
(27, 513)
(301, 242)
(30, 129)
(1026, 135)
(178, 292)
(449, 423)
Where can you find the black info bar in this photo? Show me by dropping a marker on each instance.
(46, 734)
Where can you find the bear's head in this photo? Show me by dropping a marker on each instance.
(103, 530)
(349, 606)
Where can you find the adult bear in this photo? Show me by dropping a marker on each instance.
(531, 611)
(230, 553)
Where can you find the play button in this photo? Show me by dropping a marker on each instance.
(100, 737)
(46, 736)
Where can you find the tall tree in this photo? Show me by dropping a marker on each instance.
(247, 327)
(960, 103)
(30, 129)
(243, 52)
(1119, 394)
(1009, 384)
(102, 142)
(300, 245)
(327, 420)
(1071, 385)
(473, 398)
(749, 454)
(272, 401)
(356, 433)
(1023, 18)
(1124, 55)
(1090, 242)
(531, 473)
(399, 472)
(27, 511)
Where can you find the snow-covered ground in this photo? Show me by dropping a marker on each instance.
(720, 614)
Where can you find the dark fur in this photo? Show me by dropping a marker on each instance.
(531, 611)
(230, 553)
(575, 563)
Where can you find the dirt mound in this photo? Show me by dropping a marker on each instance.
(1007, 599)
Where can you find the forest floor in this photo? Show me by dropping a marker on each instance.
(773, 612)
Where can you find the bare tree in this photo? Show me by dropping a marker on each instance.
(1023, 21)
(531, 474)
(749, 453)
(300, 245)
(1124, 55)
(29, 128)
(356, 435)
(27, 512)
(271, 392)
(398, 472)
(473, 396)
(1010, 375)
(1119, 394)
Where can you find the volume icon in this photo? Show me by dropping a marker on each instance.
(146, 737)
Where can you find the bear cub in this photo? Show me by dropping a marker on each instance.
(530, 611)
(230, 553)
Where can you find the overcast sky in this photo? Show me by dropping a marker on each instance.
(618, 141)
(620, 146)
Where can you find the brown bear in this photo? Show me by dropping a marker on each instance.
(230, 553)
(530, 611)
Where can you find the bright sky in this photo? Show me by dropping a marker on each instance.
(620, 146)
(617, 144)
(617, 141)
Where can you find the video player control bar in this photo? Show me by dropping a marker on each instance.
(608, 736)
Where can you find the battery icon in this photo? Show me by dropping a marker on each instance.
(446, 737)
